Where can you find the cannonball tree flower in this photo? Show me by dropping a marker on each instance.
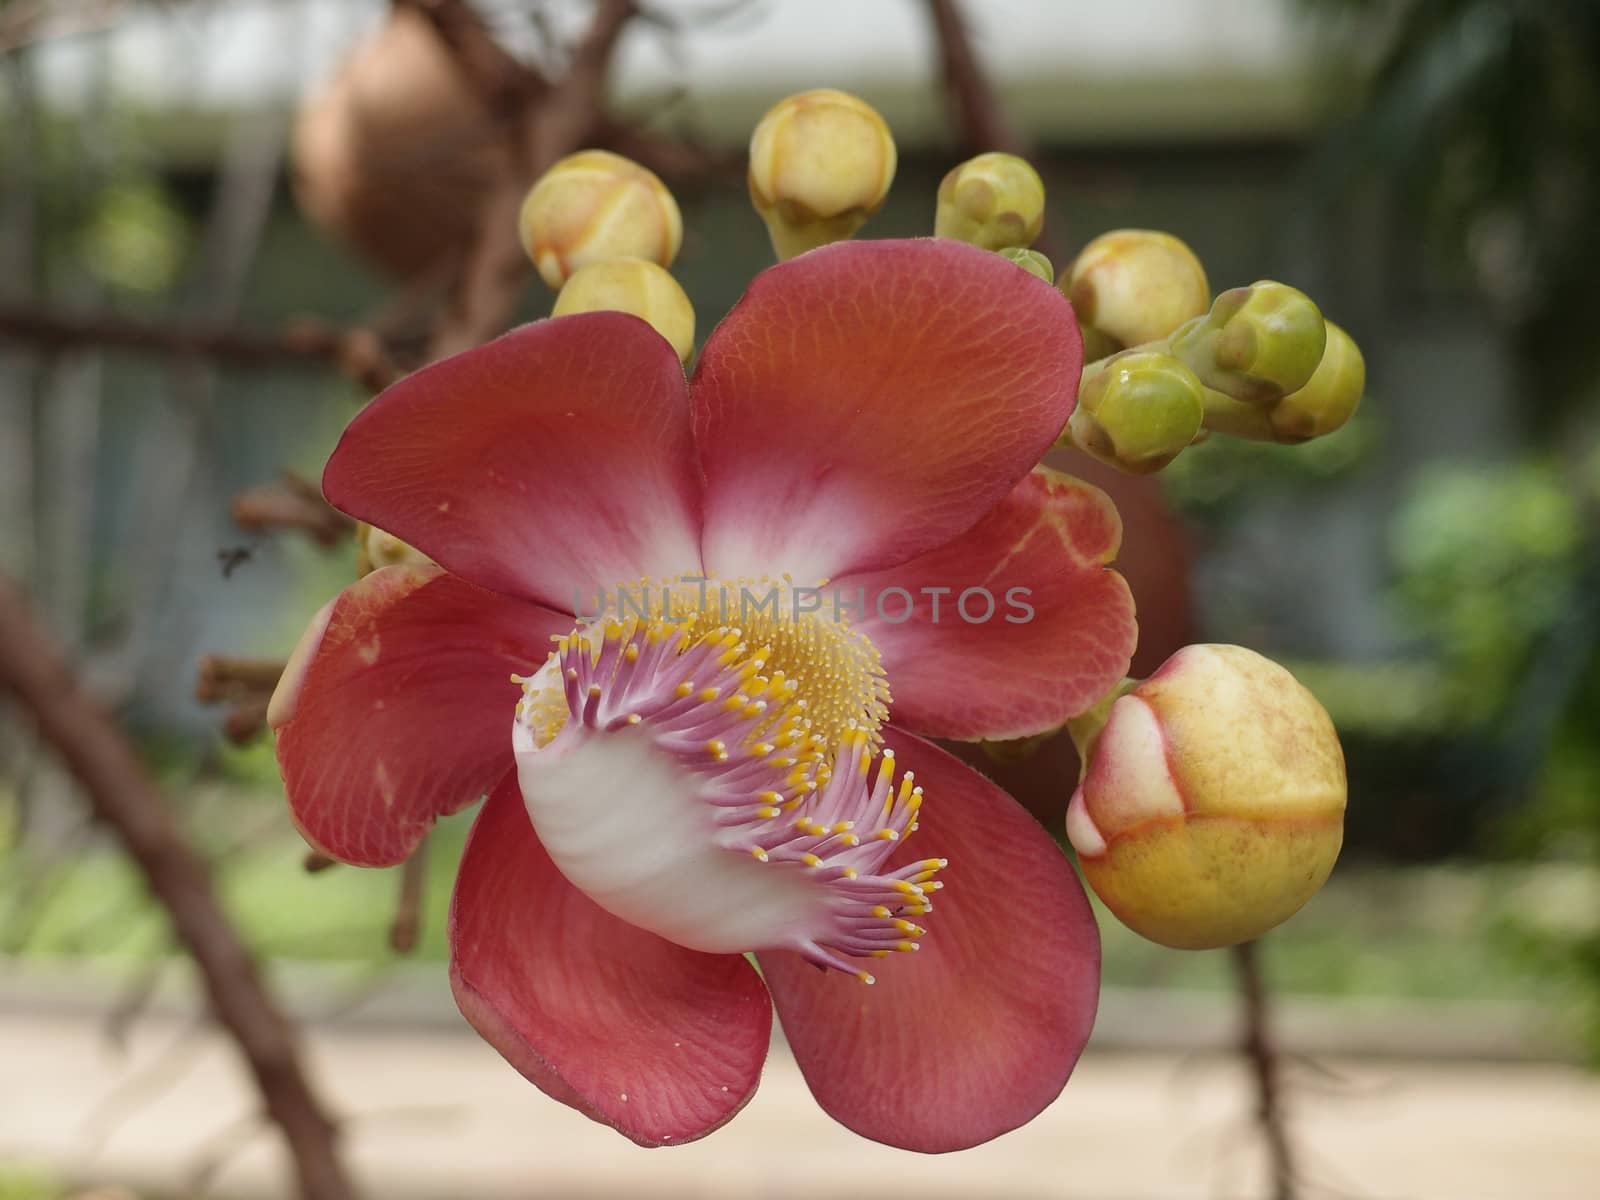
(669, 790)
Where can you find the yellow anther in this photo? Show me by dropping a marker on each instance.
(634, 718)
(766, 814)
(880, 912)
(866, 977)
(684, 689)
(759, 854)
(904, 946)
(811, 860)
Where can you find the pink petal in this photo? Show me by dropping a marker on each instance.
(871, 400)
(975, 1033)
(661, 1043)
(1031, 626)
(397, 708)
(548, 463)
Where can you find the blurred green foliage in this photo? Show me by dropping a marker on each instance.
(1487, 561)
(134, 237)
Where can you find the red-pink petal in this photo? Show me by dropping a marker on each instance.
(397, 708)
(548, 463)
(1031, 628)
(662, 1043)
(871, 400)
(975, 1033)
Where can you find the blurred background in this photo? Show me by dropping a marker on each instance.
(223, 221)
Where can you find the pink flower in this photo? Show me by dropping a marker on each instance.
(672, 794)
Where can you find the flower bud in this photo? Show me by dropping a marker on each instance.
(1257, 344)
(821, 163)
(375, 548)
(1137, 411)
(1331, 396)
(632, 285)
(1030, 261)
(993, 201)
(593, 206)
(1136, 285)
(1211, 806)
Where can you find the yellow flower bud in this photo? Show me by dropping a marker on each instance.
(1137, 411)
(632, 285)
(1030, 261)
(821, 163)
(1212, 801)
(593, 206)
(375, 548)
(1136, 285)
(993, 201)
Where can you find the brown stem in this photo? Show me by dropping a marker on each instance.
(223, 677)
(561, 119)
(502, 81)
(357, 353)
(290, 502)
(244, 721)
(408, 910)
(123, 798)
(975, 108)
(1262, 1053)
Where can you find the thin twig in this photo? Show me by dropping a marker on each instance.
(1262, 1053)
(224, 677)
(975, 108)
(407, 921)
(356, 353)
(123, 798)
(290, 502)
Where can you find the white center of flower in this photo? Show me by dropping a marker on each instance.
(712, 781)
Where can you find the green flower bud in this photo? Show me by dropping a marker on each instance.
(1137, 411)
(1325, 403)
(593, 206)
(1331, 396)
(1030, 261)
(1135, 286)
(632, 285)
(1257, 344)
(993, 200)
(821, 163)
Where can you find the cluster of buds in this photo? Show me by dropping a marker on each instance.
(1211, 802)
(602, 231)
(1260, 362)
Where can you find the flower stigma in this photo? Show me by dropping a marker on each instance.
(706, 763)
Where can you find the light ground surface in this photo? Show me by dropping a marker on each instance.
(435, 1115)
